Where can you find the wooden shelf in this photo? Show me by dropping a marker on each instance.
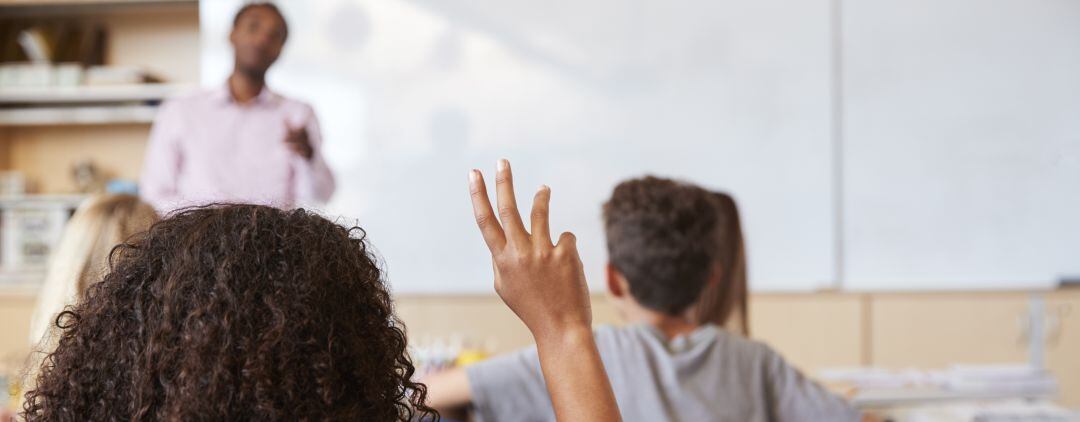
(37, 8)
(89, 94)
(83, 105)
(39, 201)
(20, 289)
(57, 3)
(83, 115)
(21, 283)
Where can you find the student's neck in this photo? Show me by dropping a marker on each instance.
(244, 87)
(669, 325)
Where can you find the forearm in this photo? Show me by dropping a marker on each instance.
(544, 284)
(448, 392)
(575, 376)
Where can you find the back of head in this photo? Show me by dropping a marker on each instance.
(661, 236)
(82, 253)
(108, 220)
(233, 312)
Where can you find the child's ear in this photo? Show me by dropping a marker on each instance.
(614, 282)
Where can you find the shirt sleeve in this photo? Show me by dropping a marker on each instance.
(794, 397)
(314, 180)
(510, 388)
(164, 158)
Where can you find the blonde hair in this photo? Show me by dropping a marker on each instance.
(82, 255)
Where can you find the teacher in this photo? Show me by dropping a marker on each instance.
(239, 142)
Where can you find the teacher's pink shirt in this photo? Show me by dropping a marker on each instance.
(205, 147)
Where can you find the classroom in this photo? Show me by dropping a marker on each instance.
(780, 210)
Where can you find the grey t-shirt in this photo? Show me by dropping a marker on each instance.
(708, 375)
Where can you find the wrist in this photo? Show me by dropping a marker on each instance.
(564, 337)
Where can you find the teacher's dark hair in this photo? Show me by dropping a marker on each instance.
(269, 6)
(233, 312)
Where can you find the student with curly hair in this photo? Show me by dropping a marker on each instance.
(80, 258)
(247, 312)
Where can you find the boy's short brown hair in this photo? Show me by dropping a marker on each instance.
(662, 235)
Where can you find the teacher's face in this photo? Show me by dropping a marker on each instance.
(257, 38)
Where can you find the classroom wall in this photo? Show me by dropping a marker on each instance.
(813, 331)
(825, 330)
(15, 311)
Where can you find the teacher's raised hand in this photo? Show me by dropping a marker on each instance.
(298, 142)
(544, 284)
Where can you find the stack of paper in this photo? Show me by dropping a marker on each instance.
(1001, 379)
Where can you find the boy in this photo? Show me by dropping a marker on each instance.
(663, 246)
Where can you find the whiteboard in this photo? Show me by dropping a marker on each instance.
(961, 143)
(578, 95)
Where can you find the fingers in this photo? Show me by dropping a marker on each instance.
(485, 216)
(295, 135)
(508, 212)
(567, 241)
(300, 148)
(541, 234)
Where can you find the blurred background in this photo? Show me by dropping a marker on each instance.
(908, 172)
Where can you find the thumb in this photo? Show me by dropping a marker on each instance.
(291, 128)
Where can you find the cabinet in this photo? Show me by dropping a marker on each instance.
(811, 331)
(935, 330)
(1063, 343)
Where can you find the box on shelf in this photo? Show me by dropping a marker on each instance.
(12, 184)
(30, 228)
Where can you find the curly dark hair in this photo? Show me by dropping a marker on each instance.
(233, 312)
(662, 236)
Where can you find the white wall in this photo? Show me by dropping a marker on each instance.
(962, 143)
(734, 95)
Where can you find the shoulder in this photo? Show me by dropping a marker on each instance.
(612, 336)
(746, 348)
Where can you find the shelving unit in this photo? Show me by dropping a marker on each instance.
(31, 201)
(87, 105)
(83, 105)
(87, 115)
(88, 94)
(46, 131)
(21, 284)
(30, 3)
(25, 280)
(34, 7)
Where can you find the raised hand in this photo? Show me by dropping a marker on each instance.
(544, 284)
(298, 142)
